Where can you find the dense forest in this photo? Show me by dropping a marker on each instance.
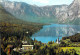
(14, 34)
(73, 38)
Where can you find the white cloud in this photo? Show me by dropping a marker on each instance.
(42, 1)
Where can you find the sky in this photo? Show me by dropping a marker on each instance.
(46, 2)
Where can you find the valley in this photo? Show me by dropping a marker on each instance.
(32, 30)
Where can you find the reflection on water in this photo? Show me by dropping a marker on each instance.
(51, 32)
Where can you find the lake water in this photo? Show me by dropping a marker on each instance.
(53, 31)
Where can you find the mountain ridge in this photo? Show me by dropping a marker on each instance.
(51, 14)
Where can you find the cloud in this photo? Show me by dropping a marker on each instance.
(42, 1)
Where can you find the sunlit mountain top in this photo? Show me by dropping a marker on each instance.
(44, 2)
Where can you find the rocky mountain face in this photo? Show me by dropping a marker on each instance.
(45, 14)
(74, 10)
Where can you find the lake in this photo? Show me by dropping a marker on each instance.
(53, 31)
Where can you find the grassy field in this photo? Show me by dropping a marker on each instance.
(76, 48)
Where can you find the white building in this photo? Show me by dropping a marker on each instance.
(27, 47)
(58, 42)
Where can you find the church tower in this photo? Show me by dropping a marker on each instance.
(58, 42)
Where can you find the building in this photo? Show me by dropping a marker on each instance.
(27, 47)
(58, 42)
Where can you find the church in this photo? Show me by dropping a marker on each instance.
(58, 41)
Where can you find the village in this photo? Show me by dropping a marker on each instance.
(25, 47)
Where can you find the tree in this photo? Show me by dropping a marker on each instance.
(70, 52)
(75, 38)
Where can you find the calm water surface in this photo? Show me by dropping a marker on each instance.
(53, 31)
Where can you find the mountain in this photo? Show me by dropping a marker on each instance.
(10, 24)
(6, 16)
(68, 14)
(46, 14)
(74, 12)
(74, 9)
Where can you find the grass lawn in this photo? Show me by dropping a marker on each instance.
(76, 48)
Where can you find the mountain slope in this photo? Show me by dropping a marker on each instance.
(6, 16)
(34, 13)
(74, 12)
(9, 24)
(46, 14)
(74, 9)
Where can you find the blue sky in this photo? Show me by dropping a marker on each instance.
(45, 2)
